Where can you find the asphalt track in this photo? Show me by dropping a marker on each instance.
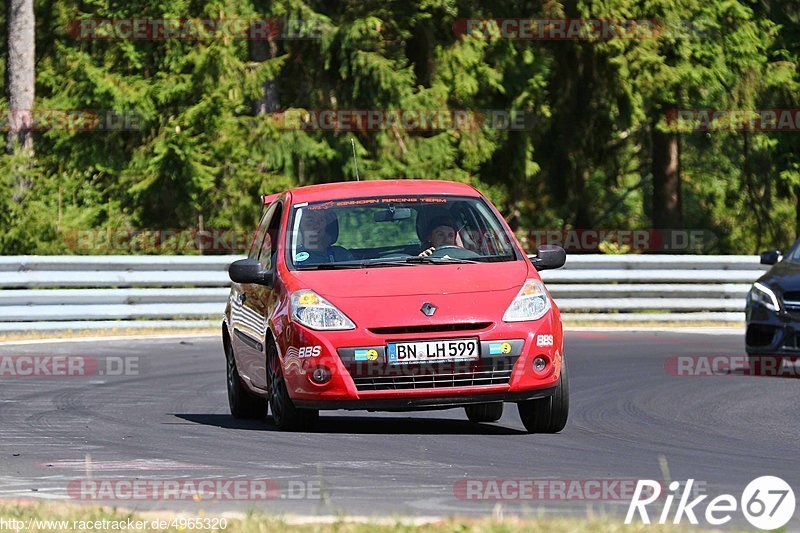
(630, 419)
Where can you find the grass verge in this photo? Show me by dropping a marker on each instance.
(111, 332)
(47, 517)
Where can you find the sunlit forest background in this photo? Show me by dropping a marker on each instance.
(597, 150)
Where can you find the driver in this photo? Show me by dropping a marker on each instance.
(318, 231)
(441, 232)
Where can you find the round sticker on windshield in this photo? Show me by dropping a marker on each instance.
(300, 257)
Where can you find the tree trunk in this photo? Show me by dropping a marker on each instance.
(667, 212)
(420, 49)
(20, 73)
(796, 212)
(262, 50)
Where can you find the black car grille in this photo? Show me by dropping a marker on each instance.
(791, 302)
(434, 381)
(792, 295)
(792, 310)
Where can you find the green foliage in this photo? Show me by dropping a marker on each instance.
(196, 150)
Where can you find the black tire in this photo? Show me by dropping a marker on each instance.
(547, 415)
(243, 404)
(484, 412)
(286, 416)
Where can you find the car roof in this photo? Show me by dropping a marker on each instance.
(352, 189)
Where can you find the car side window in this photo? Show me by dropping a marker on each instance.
(269, 244)
(255, 246)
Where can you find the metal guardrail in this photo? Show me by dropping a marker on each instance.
(87, 292)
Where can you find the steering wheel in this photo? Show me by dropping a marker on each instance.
(456, 252)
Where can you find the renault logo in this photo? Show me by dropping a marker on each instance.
(428, 309)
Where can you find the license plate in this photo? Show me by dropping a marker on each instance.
(400, 353)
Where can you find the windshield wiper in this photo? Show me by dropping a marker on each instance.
(331, 266)
(438, 260)
(405, 261)
(385, 262)
(355, 264)
(496, 258)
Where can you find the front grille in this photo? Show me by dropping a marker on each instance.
(431, 328)
(791, 302)
(791, 295)
(435, 381)
(791, 305)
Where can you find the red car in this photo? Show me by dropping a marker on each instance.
(392, 296)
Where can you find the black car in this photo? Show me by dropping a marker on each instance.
(773, 306)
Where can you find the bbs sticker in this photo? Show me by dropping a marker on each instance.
(544, 340)
(308, 351)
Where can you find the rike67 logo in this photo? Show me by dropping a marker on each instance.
(767, 503)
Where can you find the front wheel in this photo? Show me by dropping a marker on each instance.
(484, 412)
(286, 416)
(242, 403)
(547, 415)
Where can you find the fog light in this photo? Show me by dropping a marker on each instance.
(321, 375)
(539, 364)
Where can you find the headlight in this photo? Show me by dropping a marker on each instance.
(532, 303)
(762, 294)
(315, 312)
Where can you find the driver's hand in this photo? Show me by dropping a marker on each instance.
(427, 252)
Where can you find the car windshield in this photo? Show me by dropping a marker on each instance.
(394, 231)
(794, 255)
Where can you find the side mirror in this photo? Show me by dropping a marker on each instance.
(549, 256)
(249, 271)
(771, 257)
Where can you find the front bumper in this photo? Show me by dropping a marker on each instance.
(770, 332)
(378, 385)
(417, 404)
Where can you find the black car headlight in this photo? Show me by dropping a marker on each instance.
(762, 294)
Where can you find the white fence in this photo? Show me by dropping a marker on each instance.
(661, 288)
(89, 292)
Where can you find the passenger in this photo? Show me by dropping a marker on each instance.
(319, 230)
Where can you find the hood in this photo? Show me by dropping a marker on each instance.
(784, 276)
(393, 297)
(415, 280)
